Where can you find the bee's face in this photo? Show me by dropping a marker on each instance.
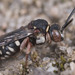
(57, 36)
(55, 33)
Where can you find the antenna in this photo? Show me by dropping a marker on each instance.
(68, 21)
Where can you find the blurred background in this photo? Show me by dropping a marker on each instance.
(17, 13)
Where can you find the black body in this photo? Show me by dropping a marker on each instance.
(10, 43)
(8, 40)
(40, 24)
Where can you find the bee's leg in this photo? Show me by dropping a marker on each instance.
(24, 43)
(48, 38)
(27, 52)
(27, 44)
(25, 66)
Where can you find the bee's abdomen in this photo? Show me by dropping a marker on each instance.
(9, 49)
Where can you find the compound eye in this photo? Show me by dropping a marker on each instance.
(56, 36)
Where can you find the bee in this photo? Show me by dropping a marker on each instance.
(28, 36)
(53, 32)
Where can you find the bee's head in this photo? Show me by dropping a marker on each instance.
(55, 33)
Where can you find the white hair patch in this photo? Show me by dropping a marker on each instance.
(0, 52)
(40, 40)
(17, 43)
(8, 53)
(11, 49)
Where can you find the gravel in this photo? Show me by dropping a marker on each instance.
(50, 59)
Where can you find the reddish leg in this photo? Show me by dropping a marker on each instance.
(23, 45)
(48, 38)
(28, 51)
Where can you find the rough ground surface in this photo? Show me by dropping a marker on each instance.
(46, 59)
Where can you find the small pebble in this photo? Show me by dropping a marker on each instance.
(46, 60)
(69, 51)
(50, 68)
(63, 48)
(1, 74)
(72, 65)
(4, 26)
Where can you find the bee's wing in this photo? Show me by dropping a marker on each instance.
(15, 35)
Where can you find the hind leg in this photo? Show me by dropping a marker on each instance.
(28, 44)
